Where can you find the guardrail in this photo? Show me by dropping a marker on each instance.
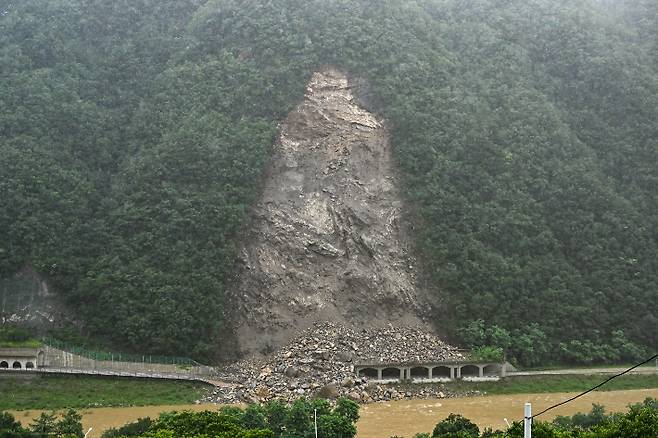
(112, 373)
(118, 357)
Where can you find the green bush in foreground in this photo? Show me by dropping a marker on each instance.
(456, 426)
(271, 420)
(45, 426)
(640, 421)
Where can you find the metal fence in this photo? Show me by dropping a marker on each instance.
(119, 357)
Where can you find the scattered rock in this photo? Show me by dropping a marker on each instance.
(329, 391)
(292, 372)
(355, 396)
(315, 363)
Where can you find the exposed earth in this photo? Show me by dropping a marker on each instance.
(327, 241)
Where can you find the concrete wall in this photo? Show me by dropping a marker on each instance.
(431, 372)
(21, 358)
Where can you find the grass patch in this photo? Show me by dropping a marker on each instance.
(544, 384)
(17, 337)
(30, 343)
(58, 392)
(580, 367)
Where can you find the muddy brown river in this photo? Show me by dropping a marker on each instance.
(402, 418)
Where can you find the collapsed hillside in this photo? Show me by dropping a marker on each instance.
(327, 241)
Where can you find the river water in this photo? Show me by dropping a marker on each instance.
(402, 418)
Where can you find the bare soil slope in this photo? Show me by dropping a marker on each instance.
(327, 242)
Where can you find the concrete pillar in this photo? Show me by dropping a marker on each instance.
(503, 369)
(481, 370)
(452, 373)
(402, 374)
(430, 372)
(379, 374)
(459, 372)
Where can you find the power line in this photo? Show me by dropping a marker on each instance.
(655, 356)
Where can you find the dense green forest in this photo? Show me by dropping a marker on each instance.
(134, 134)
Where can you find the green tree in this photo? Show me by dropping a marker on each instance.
(44, 424)
(134, 429)
(70, 424)
(455, 426)
(9, 427)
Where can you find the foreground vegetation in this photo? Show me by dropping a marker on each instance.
(276, 420)
(640, 421)
(67, 425)
(272, 420)
(133, 138)
(58, 392)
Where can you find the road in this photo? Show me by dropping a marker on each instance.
(584, 371)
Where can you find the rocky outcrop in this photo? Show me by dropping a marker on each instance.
(327, 241)
(26, 299)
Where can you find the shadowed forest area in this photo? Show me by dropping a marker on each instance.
(134, 135)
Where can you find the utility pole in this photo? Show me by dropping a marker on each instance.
(315, 420)
(527, 421)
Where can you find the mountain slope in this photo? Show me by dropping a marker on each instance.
(135, 140)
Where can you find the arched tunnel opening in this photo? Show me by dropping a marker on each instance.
(391, 373)
(370, 373)
(419, 373)
(491, 370)
(470, 371)
(441, 372)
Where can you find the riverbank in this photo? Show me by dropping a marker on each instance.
(403, 417)
(407, 417)
(552, 383)
(58, 392)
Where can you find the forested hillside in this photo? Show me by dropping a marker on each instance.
(134, 135)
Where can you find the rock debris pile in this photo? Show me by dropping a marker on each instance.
(321, 360)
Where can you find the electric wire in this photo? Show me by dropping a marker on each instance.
(655, 356)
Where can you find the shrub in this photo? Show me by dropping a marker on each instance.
(456, 426)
